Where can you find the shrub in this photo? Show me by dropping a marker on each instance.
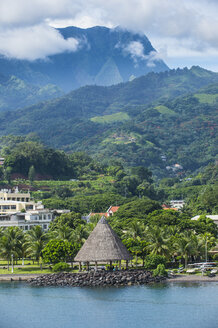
(59, 251)
(160, 271)
(61, 266)
(152, 261)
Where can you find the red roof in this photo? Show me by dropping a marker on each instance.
(113, 209)
(165, 207)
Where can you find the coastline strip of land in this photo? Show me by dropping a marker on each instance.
(178, 278)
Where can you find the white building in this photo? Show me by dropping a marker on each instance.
(212, 217)
(27, 220)
(177, 203)
(17, 210)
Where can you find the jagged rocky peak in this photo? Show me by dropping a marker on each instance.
(103, 56)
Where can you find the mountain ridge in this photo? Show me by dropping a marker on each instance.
(129, 52)
(160, 114)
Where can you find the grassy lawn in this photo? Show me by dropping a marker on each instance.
(26, 270)
(207, 98)
(19, 262)
(165, 110)
(117, 117)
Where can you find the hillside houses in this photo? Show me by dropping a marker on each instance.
(110, 212)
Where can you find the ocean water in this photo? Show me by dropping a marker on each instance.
(170, 305)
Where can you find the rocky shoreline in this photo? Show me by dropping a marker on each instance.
(94, 279)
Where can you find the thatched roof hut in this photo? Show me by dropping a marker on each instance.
(103, 245)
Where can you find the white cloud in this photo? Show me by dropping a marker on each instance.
(191, 23)
(34, 42)
(135, 49)
(31, 12)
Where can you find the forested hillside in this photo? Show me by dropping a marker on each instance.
(16, 93)
(82, 184)
(144, 122)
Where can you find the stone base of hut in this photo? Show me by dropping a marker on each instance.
(96, 279)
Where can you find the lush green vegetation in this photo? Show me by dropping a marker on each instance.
(167, 124)
(118, 117)
(93, 186)
(156, 245)
(207, 98)
(16, 93)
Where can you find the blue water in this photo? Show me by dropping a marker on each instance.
(157, 306)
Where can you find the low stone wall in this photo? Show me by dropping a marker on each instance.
(93, 279)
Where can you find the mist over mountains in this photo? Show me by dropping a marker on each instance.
(103, 57)
(124, 102)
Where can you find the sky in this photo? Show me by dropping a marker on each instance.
(184, 32)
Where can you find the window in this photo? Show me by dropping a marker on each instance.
(29, 207)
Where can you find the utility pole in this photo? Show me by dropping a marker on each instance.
(206, 249)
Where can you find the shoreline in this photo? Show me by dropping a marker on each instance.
(19, 277)
(179, 278)
(192, 278)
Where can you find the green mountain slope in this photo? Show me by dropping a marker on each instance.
(16, 93)
(159, 128)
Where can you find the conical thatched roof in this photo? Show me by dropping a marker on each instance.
(103, 244)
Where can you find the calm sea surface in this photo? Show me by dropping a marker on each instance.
(159, 306)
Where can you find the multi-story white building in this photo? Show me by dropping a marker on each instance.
(27, 220)
(17, 209)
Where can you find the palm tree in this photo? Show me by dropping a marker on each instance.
(23, 248)
(80, 234)
(158, 241)
(63, 232)
(186, 245)
(11, 243)
(36, 241)
(204, 243)
(136, 229)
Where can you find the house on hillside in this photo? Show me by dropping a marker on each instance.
(177, 203)
(167, 207)
(110, 212)
(212, 217)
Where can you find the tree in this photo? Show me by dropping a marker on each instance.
(72, 220)
(137, 247)
(11, 243)
(80, 234)
(7, 174)
(185, 245)
(1, 173)
(62, 232)
(31, 174)
(135, 229)
(137, 210)
(59, 251)
(158, 241)
(36, 241)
